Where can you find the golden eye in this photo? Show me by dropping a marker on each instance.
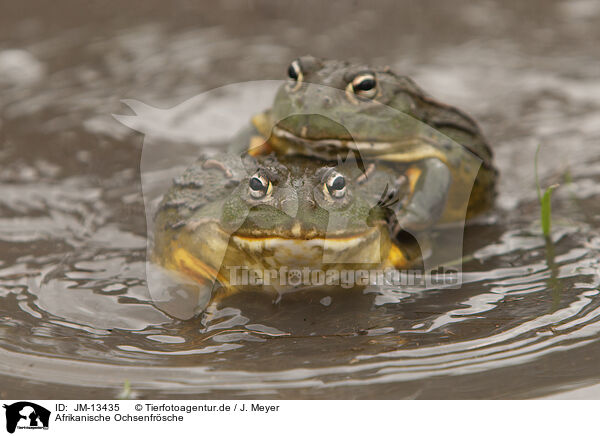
(259, 186)
(335, 185)
(295, 74)
(363, 85)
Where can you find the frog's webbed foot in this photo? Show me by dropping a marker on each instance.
(430, 189)
(176, 294)
(392, 195)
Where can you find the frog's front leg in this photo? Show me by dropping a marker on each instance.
(249, 140)
(429, 184)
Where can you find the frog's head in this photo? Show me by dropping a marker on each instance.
(281, 212)
(303, 211)
(327, 100)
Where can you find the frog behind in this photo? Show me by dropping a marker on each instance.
(328, 108)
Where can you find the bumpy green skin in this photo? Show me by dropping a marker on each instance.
(400, 127)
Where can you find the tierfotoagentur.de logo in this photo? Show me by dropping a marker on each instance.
(27, 416)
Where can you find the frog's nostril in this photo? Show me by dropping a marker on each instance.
(289, 205)
(327, 101)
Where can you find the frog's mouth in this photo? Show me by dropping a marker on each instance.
(405, 150)
(322, 145)
(306, 138)
(357, 247)
(361, 249)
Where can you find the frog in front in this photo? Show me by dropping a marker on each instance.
(228, 214)
(327, 108)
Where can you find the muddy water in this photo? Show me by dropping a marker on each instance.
(76, 318)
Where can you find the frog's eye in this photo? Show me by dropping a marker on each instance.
(259, 186)
(364, 85)
(295, 73)
(335, 185)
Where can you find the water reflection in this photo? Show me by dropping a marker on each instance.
(75, 313)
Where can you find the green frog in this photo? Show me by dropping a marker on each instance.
(327, 108)
(228, 217)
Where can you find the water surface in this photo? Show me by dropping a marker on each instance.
(76, 318)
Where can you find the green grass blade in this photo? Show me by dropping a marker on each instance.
(546, 211)
(126, 393)
(535, 171)
(545, 200)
